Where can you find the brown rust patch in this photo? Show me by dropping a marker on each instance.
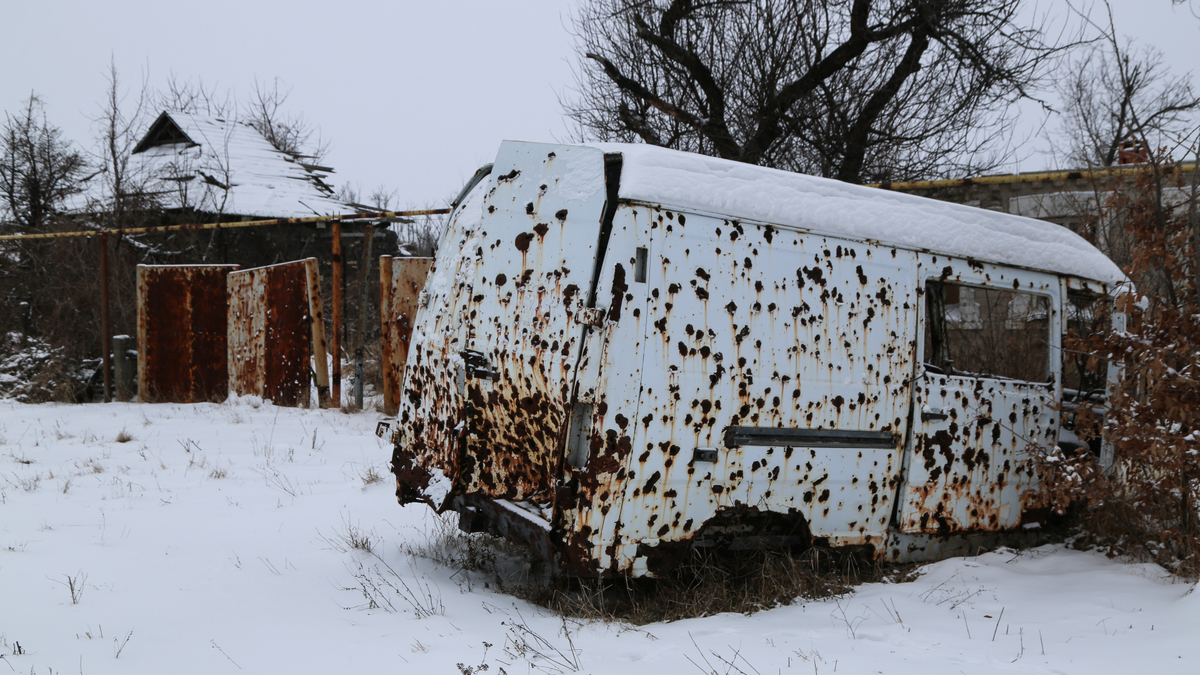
(522, 241)
(619, 288)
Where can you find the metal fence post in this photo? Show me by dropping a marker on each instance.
(105, 346)
(124, 366)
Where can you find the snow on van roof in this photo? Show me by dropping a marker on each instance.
(744, 191)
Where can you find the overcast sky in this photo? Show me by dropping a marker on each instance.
(412, 95)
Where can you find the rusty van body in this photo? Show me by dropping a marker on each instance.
(623, 351)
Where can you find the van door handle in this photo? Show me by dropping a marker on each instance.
(930, 414)
(476, 365)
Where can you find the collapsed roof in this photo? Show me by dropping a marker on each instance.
(227, 167)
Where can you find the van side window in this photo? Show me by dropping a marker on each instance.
(988, 332)
(1084, 314)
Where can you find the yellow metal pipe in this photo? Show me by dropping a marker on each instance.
(382, 215)
(1044, 176)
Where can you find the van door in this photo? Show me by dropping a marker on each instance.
(984, 398)
(536, 253)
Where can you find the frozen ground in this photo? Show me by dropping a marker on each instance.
(213, 539)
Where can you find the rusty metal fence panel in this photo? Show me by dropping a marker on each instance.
(182, 329)
(271, 332)
(400, 284)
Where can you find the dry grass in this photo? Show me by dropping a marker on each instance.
(358, 539)
(372, 368)
(90, 465)
(371, 476)
(712, 581)
(708, 580)
(352, 537)
(58, 381)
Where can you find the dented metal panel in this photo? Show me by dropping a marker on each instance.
(270, 334)
(609, 382)
(425, 459)
(537, 252)
(182, 332)
(400, 284)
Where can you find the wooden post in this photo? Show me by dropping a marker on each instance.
(335, 384)
(124, 368)
(105, 350)
(317, 317)
(401, 284)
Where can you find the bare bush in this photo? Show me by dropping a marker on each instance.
(384, 588)
(371, 476)
(1148, 219)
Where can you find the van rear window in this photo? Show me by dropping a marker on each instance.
(986, 332)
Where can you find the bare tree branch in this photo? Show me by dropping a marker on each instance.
(858, 89)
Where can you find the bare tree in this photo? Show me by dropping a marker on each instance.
(123, 193)
(1192, 5)
(860, 90)
(195, 97)
(290, 134)
(265, 111)
(1116, 94)
(414, 236)
(41, 280)
(38, 169)
(1122, 104)
(380, 199)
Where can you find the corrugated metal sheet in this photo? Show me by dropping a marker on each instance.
(270, 332)
(400, 284)
(182, 331)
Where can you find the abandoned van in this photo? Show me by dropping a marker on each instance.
(623, 351)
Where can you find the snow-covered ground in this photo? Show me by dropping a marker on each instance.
(215, 539)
